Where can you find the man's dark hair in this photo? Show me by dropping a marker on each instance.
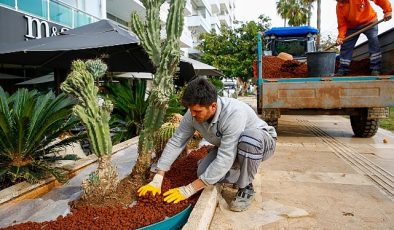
(199, 91)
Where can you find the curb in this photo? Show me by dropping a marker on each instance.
(202, 213)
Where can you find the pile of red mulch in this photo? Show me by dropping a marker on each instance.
(146, 211)
(274, 67)
(357, 68)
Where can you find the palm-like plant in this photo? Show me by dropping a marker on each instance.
(296, 11)
(29, 126)
(129, 108)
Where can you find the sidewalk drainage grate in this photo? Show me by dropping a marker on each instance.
(382, 178)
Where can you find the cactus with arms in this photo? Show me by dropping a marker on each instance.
(95, 117)
(165, 57)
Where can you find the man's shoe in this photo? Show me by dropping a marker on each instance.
(341, 73)
(243, 199)
(375, 72)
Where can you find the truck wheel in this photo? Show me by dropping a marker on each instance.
(363, 127)
(273, 123)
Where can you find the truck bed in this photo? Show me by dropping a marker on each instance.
(328, 92)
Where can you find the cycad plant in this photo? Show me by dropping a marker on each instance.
(30, 124)
(95, 115)
(129, 108)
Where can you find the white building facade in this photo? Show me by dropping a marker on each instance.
(200, 16)
(32, 19)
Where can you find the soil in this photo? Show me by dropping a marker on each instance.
(120, 212)
(6, 182)
(274, 67)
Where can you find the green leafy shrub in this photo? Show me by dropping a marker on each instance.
(129, 108)
(29, 127)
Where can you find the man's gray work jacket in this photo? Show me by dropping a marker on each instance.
(232, 117)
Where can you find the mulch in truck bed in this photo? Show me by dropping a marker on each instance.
(274, 67)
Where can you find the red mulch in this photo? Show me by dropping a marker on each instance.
(146, 211)
(274, 67)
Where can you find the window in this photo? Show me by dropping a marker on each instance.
(82, 19)
(72, 3)
(8, 3)
(295, 47)
(36, 7)
(60, 13)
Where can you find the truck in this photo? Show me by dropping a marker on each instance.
(365, 99)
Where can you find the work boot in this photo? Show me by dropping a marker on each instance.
(341, 73)
(375, 72)
(243, 199)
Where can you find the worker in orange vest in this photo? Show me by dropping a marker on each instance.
(353, 15)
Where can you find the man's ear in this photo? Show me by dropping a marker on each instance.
(214, 105)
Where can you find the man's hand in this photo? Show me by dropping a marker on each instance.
(387, 16)
(339, 41)
(178, 194)
(154, 187)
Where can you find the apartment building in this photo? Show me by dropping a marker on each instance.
(200, 16)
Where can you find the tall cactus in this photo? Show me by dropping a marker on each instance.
(95, 117)
(165, 57)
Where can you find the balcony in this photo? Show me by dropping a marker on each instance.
(215, 6)
(122, 8)
(186, 38)
(188, 8)
(224, 6)
(199, 24)
(225, 20)
(202, 4)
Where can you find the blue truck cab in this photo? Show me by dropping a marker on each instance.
(296, 40)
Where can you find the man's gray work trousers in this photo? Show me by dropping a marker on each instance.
(254, 146)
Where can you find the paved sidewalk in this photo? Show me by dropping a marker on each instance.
(320, 177)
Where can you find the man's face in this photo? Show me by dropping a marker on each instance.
(203, 113)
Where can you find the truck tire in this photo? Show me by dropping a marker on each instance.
(363, 127)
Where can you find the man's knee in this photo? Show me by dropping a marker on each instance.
(256, 144)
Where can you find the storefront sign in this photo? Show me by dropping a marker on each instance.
(36, 28)
(17, 26)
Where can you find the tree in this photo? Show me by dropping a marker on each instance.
(296, 11)
(310, 6)
(233, 51)
(165, 57)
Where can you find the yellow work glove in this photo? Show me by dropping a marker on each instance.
(178, 194)
(154, 187)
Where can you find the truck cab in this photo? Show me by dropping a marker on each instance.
(296, 40)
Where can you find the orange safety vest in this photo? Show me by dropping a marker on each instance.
(355, 13)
